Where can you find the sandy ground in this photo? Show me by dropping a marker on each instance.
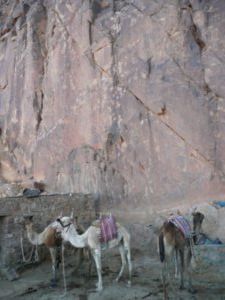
(34, 283)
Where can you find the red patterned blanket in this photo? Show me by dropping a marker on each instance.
(181, 223)
(108, 228)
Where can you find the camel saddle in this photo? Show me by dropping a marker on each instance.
(182, 224)
(108, 228)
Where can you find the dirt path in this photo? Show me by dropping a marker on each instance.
(34, 283)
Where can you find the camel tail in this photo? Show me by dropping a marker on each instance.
(161, 248)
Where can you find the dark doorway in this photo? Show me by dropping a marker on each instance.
(2, 240)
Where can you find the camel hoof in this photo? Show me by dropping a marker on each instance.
(98, 288)
(53, 283)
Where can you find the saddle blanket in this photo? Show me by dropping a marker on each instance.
(108, 228)
(182, 224)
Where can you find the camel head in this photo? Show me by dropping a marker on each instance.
(28, 222)
(197, 224)
(63, 223)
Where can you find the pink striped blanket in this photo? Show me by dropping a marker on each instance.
(108, 228)
(181, 223)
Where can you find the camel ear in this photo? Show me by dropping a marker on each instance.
(193, 211)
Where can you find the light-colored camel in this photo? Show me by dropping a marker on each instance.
(48, 237)
(171, 242)
(91, 239)
(214, 221)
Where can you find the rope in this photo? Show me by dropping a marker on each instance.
(36, 257)
(22, 250)
(63, 271)
(24, 259)
(192, 247)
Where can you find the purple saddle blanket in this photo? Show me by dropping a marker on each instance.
(108, 228)
(182, 224)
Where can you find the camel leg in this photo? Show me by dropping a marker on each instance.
(123, 260)
(181, 269)
(32, 253)
(176, 263)
(36, 258)
(89, 263)
(63, 269)
(53, 258)
(190, 287)
(97, 257)
(58, 258)
(128, 254)
(164, 276)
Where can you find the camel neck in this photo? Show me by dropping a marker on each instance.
(71, 235)
(33, 237)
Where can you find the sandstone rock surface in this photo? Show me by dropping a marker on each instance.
(121, 99)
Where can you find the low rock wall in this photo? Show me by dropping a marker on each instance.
(44, 210)
(209, 264)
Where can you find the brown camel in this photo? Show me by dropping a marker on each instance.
(172, 240)
(48, 237)
(53, 241)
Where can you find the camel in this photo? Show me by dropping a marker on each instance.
(50, 239)
(214, 221)
(91, 239)
(172, 240)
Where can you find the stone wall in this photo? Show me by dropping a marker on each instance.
(209, 266)
(44, 210)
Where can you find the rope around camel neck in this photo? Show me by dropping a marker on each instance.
(192, 248)
(36, 258)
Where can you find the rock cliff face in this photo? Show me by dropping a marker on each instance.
(123, 99)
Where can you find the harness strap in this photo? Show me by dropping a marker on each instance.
(192, 246)
(64, 226)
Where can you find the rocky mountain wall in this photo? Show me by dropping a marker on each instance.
(123, 99)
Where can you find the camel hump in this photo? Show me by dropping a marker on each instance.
(51, 237)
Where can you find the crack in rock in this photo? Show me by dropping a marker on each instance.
(195, 152)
